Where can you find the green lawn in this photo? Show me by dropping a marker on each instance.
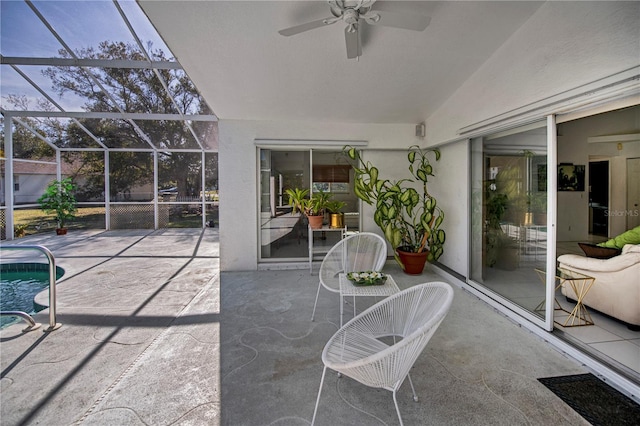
(35, 221)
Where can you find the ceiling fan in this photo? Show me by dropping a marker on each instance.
(353, 13)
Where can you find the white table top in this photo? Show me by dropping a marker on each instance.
(348, 289)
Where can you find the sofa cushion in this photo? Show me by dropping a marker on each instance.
(632, 236)
(631, 248)
(593, 250)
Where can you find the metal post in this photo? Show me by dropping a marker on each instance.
(204, 192)
(52, 289)
(53, 325)
(107, 192)
(8, 176)
(58, 166)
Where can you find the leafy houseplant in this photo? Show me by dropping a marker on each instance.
(539, 208)
(501, 250)
(409, 219)
(337, 217)
(313, 207)
(59, 199)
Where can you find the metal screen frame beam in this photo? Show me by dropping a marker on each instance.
(12, 116)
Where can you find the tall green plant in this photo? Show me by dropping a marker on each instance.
(59, 199)
(409, 219)
(312, 206)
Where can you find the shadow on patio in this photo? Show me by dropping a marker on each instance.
(153, 334)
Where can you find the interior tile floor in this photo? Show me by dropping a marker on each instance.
(608, 339)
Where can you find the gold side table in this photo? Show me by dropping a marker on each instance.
(556, 305)
(580, 284)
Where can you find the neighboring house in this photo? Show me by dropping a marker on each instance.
(30, 179)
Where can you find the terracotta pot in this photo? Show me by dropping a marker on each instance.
(315, 222)
(61, 231)
(540, 219)
(412, 263)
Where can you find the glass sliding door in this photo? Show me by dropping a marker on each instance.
(509, 217)
(283, 234)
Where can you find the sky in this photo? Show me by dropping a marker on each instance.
(80, 24)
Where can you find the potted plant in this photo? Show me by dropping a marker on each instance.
(59, 199)
(409, 219)
(337, 217)
(20, 230)
(501, 250)
(313, 207)
(539, 208)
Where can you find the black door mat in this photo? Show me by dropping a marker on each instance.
(593, 399)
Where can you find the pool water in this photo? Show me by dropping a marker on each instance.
(18, 289)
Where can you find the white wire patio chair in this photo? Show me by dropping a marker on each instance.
(410, 318)
(364, 251)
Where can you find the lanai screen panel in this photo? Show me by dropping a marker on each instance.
(87, 169)
(131, 176)
(72, 74)
(23, 34)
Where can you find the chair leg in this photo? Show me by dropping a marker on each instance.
(354, 306)
(316, 302)
(315, 410)
(415, 397)
(395, 401)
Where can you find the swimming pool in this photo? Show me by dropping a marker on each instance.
(19, 284)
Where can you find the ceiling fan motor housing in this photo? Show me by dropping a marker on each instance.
(350, 17)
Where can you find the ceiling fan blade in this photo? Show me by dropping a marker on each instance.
(353, 42)
(415, 22)
(306, 27)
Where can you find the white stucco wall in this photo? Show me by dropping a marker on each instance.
(238, 174)
(562, 46)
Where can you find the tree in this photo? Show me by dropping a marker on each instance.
(135, 90)
(26, 144)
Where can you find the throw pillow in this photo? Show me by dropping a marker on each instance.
(632, 236)
(592, 250)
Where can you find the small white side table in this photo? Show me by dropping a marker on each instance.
(321, 250)
(348, 289)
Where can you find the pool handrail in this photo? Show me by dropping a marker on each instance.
(52, 289)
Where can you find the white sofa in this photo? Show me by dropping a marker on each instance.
(616, 290)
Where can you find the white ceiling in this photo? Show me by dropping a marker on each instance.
(246, 70)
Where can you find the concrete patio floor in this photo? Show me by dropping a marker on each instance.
(153, 334)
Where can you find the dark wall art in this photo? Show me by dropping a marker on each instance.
(571, 177)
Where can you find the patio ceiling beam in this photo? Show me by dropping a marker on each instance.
(110, 115)
(95, 63)
(50, 99)
(155, 71)
(136, 128)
